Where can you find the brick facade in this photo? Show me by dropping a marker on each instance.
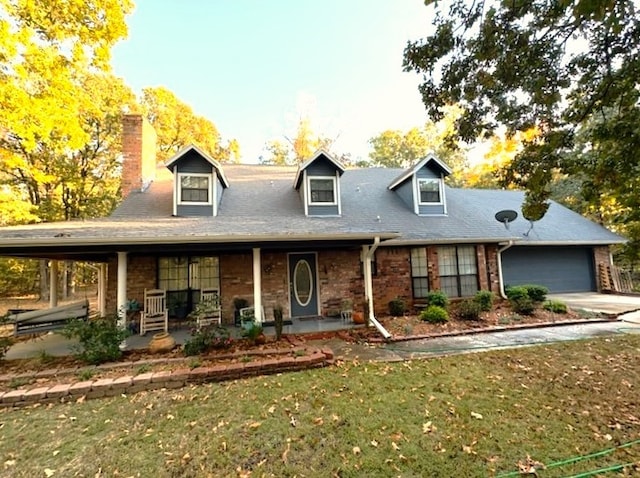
(339, 277)
(139, 152)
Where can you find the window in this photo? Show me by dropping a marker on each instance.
(458, 270)
(429, 191)
(419, 272)
(195, 188)
(322, 191)
(183, 277)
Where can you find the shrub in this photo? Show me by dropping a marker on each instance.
(397, 307)
(484, 298)
(516, 292)
(434, 314)
(555, 306)
(253, 332)
(469, 309)
(537, 293)
(205, 338)
(99, 339)
(522, 305)
(437, 298)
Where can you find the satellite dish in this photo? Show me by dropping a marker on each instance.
(506, 217)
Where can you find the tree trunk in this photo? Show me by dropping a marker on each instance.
(44, 280)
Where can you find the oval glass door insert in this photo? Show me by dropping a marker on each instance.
(302, 282)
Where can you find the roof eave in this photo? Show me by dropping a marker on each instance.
(216, 165)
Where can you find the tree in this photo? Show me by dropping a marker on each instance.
(549, 64)
(178, 126)
(397, 149)
(305, 143)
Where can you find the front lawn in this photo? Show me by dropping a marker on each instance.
(462, 416)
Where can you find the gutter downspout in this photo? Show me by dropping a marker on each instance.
(500, 278)
(368, 286)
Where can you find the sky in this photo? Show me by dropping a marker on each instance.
(255, 67)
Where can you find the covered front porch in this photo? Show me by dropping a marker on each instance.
(55, 344)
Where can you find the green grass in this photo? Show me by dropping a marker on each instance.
(462, 416)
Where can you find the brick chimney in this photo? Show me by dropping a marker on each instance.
(139, 154)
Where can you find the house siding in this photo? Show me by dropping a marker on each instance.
(405, 192)
(323, 167)
(192, 162)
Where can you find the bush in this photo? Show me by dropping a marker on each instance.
(522, 305)
(434, 314)
(437, 298)
(484, 298)
(516, 292)
(99, 339)
(469, 309)
(537, 293)
(397, 307)
(210, 337)
(555, 306)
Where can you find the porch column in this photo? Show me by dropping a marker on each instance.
(257, 285)
(53, 284)
(368, 284)
(121, 294)
(102, 289)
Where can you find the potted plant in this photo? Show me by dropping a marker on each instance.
(238, 303)
(278, 320)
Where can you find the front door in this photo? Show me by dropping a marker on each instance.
(303, 284)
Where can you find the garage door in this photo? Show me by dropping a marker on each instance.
(560, 269)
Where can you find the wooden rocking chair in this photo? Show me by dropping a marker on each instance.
(154, 315)
(210, 310)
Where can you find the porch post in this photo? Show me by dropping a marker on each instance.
(121, 295)
(368, 286)
(53, 284)
(257, 285)
(102, 289)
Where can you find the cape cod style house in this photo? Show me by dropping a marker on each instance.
(308, 237)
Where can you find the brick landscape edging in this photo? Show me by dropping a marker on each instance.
(129, 384)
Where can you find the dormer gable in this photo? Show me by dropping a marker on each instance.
(318, 183)
(198, 182)
(421, 187)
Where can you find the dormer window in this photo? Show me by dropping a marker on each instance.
(322, 191)
(194, 188)
(430, 191)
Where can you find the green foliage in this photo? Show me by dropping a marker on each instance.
(536, 293)
(437, 297)
(434, 314)
(86, 374)
(555, 306)
(516, 292)
(99, 339)
(397, 307)
(469, 309)
(206, 338)
(252, 332)
(568, 68)
(484, 298)
(522, 305)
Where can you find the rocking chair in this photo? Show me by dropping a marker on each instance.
(155, 315)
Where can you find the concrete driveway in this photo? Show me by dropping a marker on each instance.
(605, 303)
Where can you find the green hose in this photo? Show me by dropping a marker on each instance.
(578, 458)
(601, 470)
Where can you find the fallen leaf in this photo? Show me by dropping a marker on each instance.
(374, 443)
(356, 450)
(254, 424)
(395, 446)
(318, 421)
(272, 409)
(476, 415)
(49, 472)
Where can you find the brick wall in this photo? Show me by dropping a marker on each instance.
(491, 257)
(139, 153)
(236, 280)
(141, 275)
(339, 278)
(393, 278)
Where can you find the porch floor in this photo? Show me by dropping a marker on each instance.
(57, 345)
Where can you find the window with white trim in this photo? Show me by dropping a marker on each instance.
(458, 270)
(322, 191)
(194, 188)
(429, 191)
(419, 272)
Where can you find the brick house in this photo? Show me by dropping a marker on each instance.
(308, 237)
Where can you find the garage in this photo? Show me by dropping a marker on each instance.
(560, 269)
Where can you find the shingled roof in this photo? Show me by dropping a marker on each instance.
(261, 204)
